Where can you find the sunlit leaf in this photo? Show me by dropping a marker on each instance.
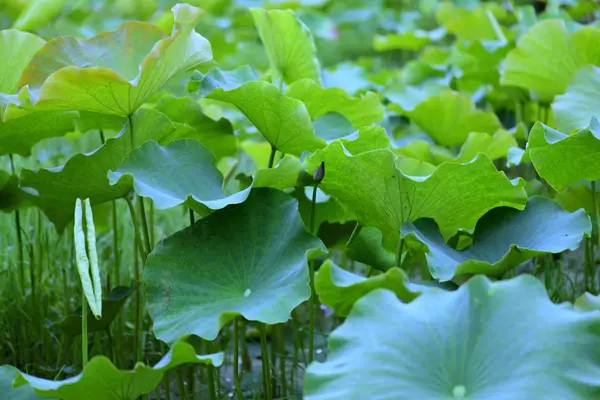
(449, 118)
(105, 381)
(475, 342)
(384, 192)
(249, 259)
(503, 238)
(361, 110)
(114, 72)
(563, 160)
(38, 13)
(574, 109)
(288, 43)
(340, 289)
(283, 121)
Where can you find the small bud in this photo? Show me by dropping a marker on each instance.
(319, 173)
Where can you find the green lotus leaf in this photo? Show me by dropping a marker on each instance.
(183, 171)
(407, 97)
(332, 126)
(478, 60)
(544, 60)
(289, 45)
(216, 135)
(473, 343)
(367, 138)
(218, 78)
(12, 196)
(8, 374)
(574, 109)
(111, 305)
(38, 13)
(494, 146)
(563, 160)
(319, 101)
(55, 190)
(17, 49)
(20, 130)
(102, 380)
(503, 238)
(384, 192)
(423, 150)
(340, 289)
(249, 259)
(408, 40)
(365, 247)
(586, 42)
(577, 196)
(449, 117)
(114, 72)
(18, 135)
(284, 175)
(478, 23)
(283, 121)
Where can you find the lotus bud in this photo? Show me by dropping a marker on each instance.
(319, 173)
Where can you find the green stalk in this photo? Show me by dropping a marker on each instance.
(236, 361)
(265, 362)
(137, 328)
(311, 276)
(273, 361)
(136, 228)
(145, 230)
(246, 361)
(399, 249)
(19, 237)
(191, 379)
(84, 331)
(282, 371)
(295, 362)
(182, 394)
(272, 156)
(597, 214)
(210, 372)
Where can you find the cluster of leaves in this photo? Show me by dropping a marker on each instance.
(477, 157)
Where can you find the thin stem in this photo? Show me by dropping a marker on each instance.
(236, 360)
(597, 212)
(311, 275)
(116, 249)
(282, 371)
(136, 227)
(19, 236)
(295, 339)
(145, 230)
(192, 219)
(272, 156)
(246, 360)
(265, 362)
(137, 328)
(180, 385)
(210, 372)
(84, 331)
(399, 252)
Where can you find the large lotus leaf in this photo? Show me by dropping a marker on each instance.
(478, 60)
(289, 44)
(384, 196)
(319, 101)
(183, 171)
(477, 23)
(365, 247)
(586, 42)
(216, 135)
(38, 13)
(101, 380)
(11, 195)
(574, 109)
(449, 117)
(114, 72)
(544, 60)
(284, 175)
(408, 40)
(85, 175)
(500, 340)
(18, 135)
(407, 97)
(587, 302)
(494, 146)
(8, 374)
(17, 49)
(340, 289)
(332, 126)
(282, 120)
(249, 259)
(563, 160)
(503, 238)
(423, 150)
